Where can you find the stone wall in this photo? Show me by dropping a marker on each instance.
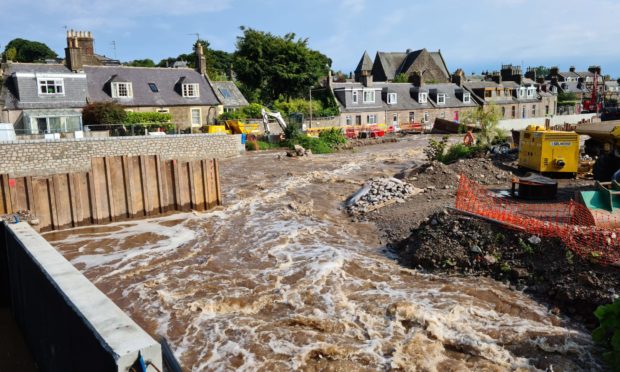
(40, 157)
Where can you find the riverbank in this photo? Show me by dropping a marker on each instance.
(425, 234)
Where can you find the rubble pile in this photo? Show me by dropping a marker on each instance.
(20, 216)
(298, 151)
(379, 192)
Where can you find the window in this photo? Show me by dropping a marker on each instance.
(426, 116)
(354, 96)
(442, 115)
(196, 119)
(411, 116)
(466, 98)
(441, 99)
(371, 119)
(530, 92)
(395, 118)
(488, 93)
(422, 97)
(521, 92)
(153, 87)
(358, 119)
(225, 93)
(163, 111)
(547, 110)
(51, 86)
(507, 92)
(122, 90)
(391, 98)
(369, 96)
(349, 120)
(503, 111)
(514, 111)
(523, 112)
(191, 90)
(554, 89)
(533, 111)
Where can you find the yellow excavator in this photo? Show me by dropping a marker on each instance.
(604, 146)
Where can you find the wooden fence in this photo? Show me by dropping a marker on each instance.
(116, 188)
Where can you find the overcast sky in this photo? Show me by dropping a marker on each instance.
(474, 35)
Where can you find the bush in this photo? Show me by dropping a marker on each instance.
(103, 113)
(608, 332)
(260, 145)
(333, 137)
(253, 111)
(316, 145)
(147, 118)
(232, 115)
(439, 151)
(436, 149)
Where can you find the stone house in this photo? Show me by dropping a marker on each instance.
(229, 95)
(42, 98)
(429, 65)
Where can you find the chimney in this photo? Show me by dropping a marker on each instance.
(496, 77)
(366, 78)
(531, 73)
(458, 77)
(416, 79)
(201, 61)
(553, 71)
(580, 82)
(571, 69)
(595, 69)
(73, 54)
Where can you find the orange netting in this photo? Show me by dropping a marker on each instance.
(569, 221)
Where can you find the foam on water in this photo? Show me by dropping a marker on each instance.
(258, 285)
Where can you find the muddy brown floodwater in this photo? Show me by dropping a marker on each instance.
(281, 278)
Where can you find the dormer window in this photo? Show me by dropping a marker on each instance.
(521, 92)
(441, 99)
(466, 98)
(422, 97)
(51, 87)
(191, 90)
(391, 98)
(530, 92)
(122, 90)
(554, 89)
(354, 97)
(369, 96)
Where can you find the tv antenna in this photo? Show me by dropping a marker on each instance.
(114, 48)
(197, 36)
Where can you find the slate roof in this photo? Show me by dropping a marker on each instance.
(234, 98)
(572, 87)
(394, 63)
(22, 92)
(566, 74)
(390, 62)
(611, 83)
(438, 58)
(365, 63)
(166, 79)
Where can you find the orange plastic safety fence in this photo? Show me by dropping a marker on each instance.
(592, 237)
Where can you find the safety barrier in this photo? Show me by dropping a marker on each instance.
(569, 221)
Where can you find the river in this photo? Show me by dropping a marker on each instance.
(281, 278)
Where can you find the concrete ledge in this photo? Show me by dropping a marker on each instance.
(93, 328)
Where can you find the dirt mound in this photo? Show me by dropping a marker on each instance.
(453, 243)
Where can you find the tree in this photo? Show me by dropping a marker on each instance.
(401, 78)
(147, 62)
(272, 67)
(27, 51)
(567, 98)
(219, 62)
(103, 113)
(542, 71)
(488, 122)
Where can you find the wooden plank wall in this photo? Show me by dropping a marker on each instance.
(116, 188)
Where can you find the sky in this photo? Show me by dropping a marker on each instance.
(475, 35)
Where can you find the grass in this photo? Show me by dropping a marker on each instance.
(261, 145)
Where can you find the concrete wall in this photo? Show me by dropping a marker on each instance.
(518, 124)
(68, 324)
(39, 157)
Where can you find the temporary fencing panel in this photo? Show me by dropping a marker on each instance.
(569, 221)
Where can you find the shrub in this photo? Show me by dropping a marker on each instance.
(147, 118)
(333, 136)
(608, 332)
(103, 113)
(436, 149)
(253, 111)
(316, 145)
(232, 115)
(260, 145)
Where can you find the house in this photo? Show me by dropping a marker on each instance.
(516, 97)
(612, 90)
(184, 93)
(388, 65)
(229, 95)
(369, 102)
(42, 98)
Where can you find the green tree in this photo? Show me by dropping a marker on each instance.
(401, 78)
(103, 113)
(273, 67)
(567, 98)
(542, 71)
(487, 120)
(28, 51)
(10, 54)
(219, 62)
(147, 62)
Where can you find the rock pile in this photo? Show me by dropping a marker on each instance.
(379, 192)
(298, 151)
(20, 216)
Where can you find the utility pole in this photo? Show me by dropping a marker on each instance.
(310, 125)
(114, 48)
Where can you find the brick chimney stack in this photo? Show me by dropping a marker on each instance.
(201, 60)
(80, 50)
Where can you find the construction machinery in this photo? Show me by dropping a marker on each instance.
(604, 146)
(548, 151)
(593, 104)
(278, 118)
